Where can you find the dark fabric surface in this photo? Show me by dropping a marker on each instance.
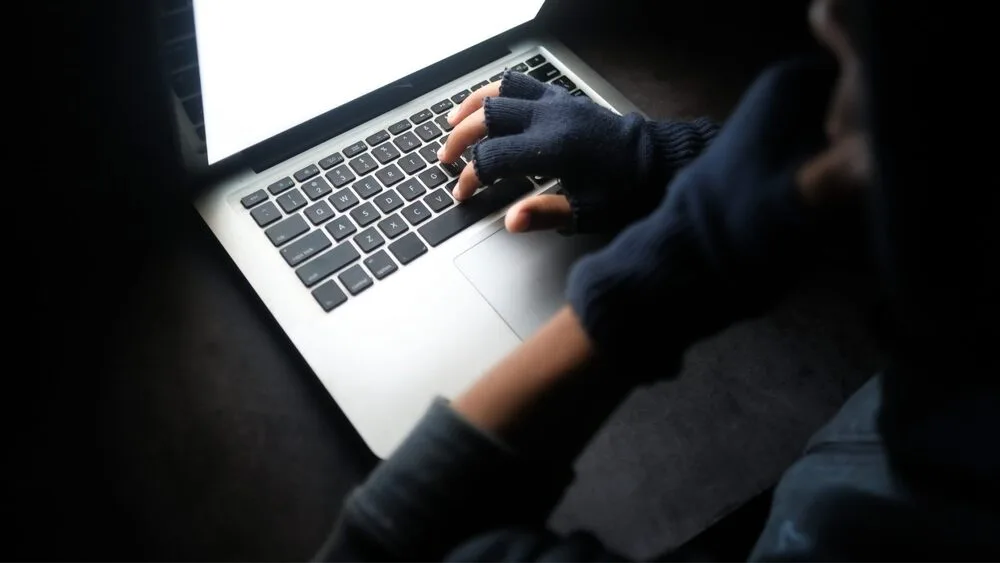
(160, 414)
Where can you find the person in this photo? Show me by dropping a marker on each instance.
(713, 225)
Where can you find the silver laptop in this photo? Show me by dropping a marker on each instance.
(311, 129)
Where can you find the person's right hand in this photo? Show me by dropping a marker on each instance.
(613, 169)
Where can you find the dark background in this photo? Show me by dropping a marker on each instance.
(154, 410)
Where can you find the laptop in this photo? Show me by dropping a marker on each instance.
(311, 129)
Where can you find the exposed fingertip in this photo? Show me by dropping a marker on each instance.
(451, 115)
(440, 153)
(521, 222)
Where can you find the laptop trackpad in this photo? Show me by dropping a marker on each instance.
(523, 276)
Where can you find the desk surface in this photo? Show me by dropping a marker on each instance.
(215, 442)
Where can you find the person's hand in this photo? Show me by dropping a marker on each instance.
(613, 168)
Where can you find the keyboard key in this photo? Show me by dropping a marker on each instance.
(390, 175)
(411, 189)
(281, 185)
(564, 82)
(520, 67)
(412, 163)
(408, 249)
(496, 77)
(407, 141)
(380, 265)
(392, 226)
(580, 94)
(460, 97)
(432, 177)
(316, 188)
(438, 200)
(179, 54)
(286, 230)
(479, 85)
(340, 176)
(319, 212)
(365, 215)
(399, 127)
(305, 248)
(329, 296)
(443, 140)
(455, 168)
(385, 153)
(363, 164)
(369, 239)
(255, 198)
(355, 279)
(442, 120)
(331, 161)
(492, 199)
(186, 82)
(344, 200)
(421, 116)
(341, 228)
(292, 200)
(306, 173)
(415, 213)
(367, 187)
(355, 149)
(376, 138)
(430, 152)
(194, 110)
(265, 214)
(389, 201)
(544, 73)
(535, 61)
(442, 106)
(327, 263)
(428, 131)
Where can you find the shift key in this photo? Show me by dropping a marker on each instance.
(467, 213)
(326, 264)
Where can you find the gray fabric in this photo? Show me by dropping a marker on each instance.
(679, 455)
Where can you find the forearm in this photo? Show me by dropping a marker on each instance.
(547, 398)
(497, 457)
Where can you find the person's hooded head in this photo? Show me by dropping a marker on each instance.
(930, 244)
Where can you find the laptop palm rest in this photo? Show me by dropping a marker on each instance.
(523, 276)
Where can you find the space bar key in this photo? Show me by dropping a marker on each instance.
(467, 213)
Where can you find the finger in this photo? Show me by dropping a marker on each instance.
(839, 172)
(547, 211)
(470, 130)
(468, 183)
(473, 102)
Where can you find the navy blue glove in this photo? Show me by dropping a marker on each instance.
(730, 237)
(613, 168)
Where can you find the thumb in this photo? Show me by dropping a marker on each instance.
(539, 212)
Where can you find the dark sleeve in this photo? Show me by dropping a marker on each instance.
(446, 483)
(663, 148)
(729, 239)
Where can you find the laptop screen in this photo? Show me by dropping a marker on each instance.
(267, 65)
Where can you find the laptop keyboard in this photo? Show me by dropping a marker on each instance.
(360, 214)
